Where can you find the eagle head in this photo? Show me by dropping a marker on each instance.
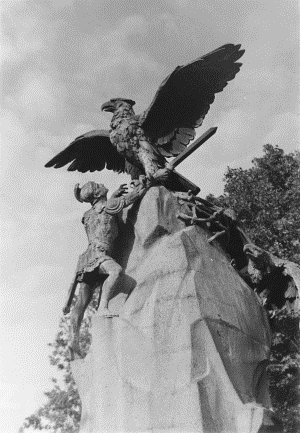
(113, 104)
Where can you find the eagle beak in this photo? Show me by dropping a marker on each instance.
(108, 106)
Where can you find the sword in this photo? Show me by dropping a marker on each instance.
(188, 185)
(70, 296)
(192, 147)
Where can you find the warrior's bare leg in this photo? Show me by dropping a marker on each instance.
(84, 298)
(113, 270)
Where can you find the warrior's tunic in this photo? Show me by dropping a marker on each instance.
(101, 227)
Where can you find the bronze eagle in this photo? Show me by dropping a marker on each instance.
(141, 144)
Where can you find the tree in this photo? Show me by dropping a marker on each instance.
(62, 411)
(266, 199)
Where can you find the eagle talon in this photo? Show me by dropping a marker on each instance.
(143, 180)
(134, 183)
(140, 182)
(161, 175)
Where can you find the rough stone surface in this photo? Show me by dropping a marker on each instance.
(189, 349)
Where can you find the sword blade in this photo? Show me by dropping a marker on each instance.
(192, 147)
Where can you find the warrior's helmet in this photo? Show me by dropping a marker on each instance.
(90, 191)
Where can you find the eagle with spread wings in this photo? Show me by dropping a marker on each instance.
(142, 144)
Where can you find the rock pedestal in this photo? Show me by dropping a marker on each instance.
(189, 348)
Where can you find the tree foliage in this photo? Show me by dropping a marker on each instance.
(266, 198)
(62, 411)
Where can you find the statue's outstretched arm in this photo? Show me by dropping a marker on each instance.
(120, 199)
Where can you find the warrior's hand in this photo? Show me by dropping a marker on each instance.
(122, 190)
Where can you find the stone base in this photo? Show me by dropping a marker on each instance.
(189, 349)
(126, 384)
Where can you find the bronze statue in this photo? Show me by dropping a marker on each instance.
(141, 144)
(101, 226)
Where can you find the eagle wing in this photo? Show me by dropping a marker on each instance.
(184, 98)
(90, 152)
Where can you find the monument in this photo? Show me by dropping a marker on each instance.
(181, 341)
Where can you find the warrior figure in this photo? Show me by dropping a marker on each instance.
(101, 225)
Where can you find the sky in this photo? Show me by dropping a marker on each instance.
(60, 60)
